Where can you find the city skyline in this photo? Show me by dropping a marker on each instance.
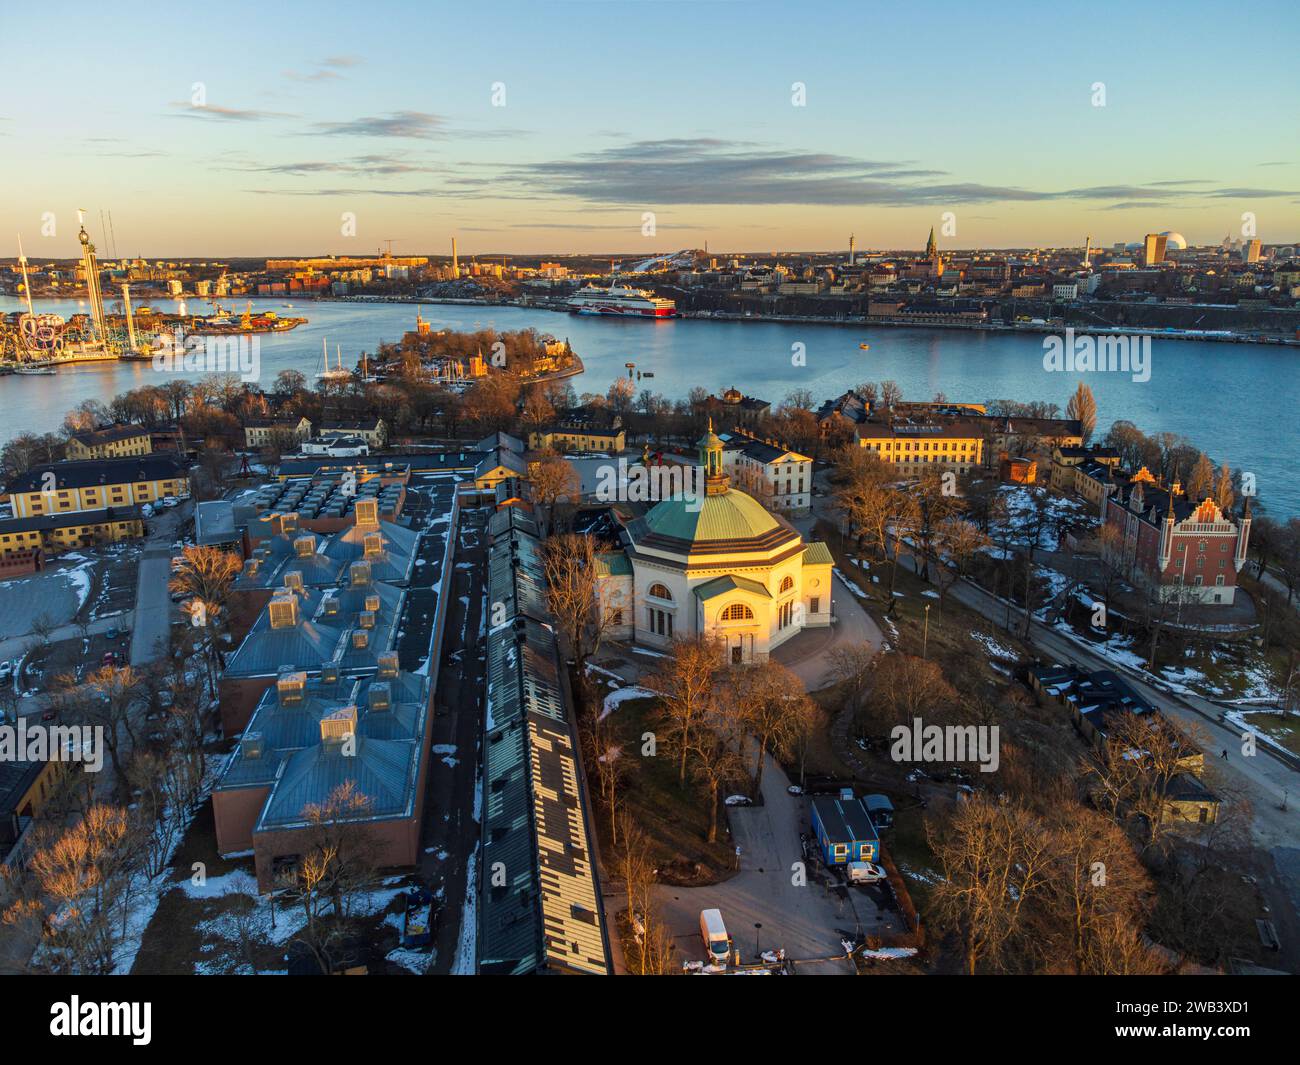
(263, 134)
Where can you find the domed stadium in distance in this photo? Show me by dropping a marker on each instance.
(1174, 241)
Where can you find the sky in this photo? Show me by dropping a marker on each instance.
(575, 126)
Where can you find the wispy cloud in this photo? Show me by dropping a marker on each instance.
(394, 124)
(374, 165)
(215, 112)
(712, 171)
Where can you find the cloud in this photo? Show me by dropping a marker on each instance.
(214, 112)
(394, 124)
(712, 171)
(375, 165)
(325, 70)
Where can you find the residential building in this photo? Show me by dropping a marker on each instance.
(914, 445)
(779, 478)
(585, 438)
(373, 431)
(260, 432)
(115, 442)
(1182, 549)
(56, 533)
(97, 484)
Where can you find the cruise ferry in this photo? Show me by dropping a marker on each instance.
(621, 302)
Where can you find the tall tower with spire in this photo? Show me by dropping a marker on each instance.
(716, 482)
(931, 248)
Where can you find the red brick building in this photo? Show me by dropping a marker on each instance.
(1182, 547)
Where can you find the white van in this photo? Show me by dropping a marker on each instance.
(714, 934)
(865, 873)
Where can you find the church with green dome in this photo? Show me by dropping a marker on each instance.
(715, 562)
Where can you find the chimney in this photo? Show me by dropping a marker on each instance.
(252, 745)
(374, 545)
(366, 619)
(359, 574)
(329, 673)
(305, 546)
(380, 695)
(250, 566)
(388, 664)
(289, 522)
(293, 580)
(372, 603)
(329, 604)
(360, 639)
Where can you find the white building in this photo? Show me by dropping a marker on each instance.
(719, 565)
(779, 478)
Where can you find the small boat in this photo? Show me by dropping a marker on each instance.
(336, 374)
(36, 371)
(865, 347)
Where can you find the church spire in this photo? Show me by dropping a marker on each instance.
(931, 249)
(715, 481)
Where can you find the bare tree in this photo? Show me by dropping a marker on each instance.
(1083, 409)
(995, 859)
(569, 562)
(79, 880)
(552, 480)
(685, 682)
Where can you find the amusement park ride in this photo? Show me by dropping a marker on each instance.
(34, 343)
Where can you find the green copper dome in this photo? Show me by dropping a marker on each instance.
(729, 516)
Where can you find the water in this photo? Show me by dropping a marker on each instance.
(1236, 402)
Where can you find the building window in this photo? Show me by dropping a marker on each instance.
(816, 605)
(660, 591)
(787, 583)
(736, 612)
(617, 618)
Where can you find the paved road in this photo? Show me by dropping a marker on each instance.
(153, 605)
(1267, 781)
(807, 920)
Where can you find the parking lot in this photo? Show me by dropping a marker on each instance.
(767, 905)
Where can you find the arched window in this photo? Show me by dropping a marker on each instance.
(787, 583)
(660, 591)
(736, 612)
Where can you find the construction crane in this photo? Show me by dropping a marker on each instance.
(389, 242)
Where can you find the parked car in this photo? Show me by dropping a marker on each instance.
(146, 511)
(864, 873)
(6, 670)
(169, 501)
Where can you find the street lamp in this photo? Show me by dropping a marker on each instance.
(758, 933)
(925, 632)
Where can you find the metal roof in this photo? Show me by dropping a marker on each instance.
(539, 896)
(730, 583)
(817, 554)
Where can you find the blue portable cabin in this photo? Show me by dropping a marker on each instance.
(844, 831)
